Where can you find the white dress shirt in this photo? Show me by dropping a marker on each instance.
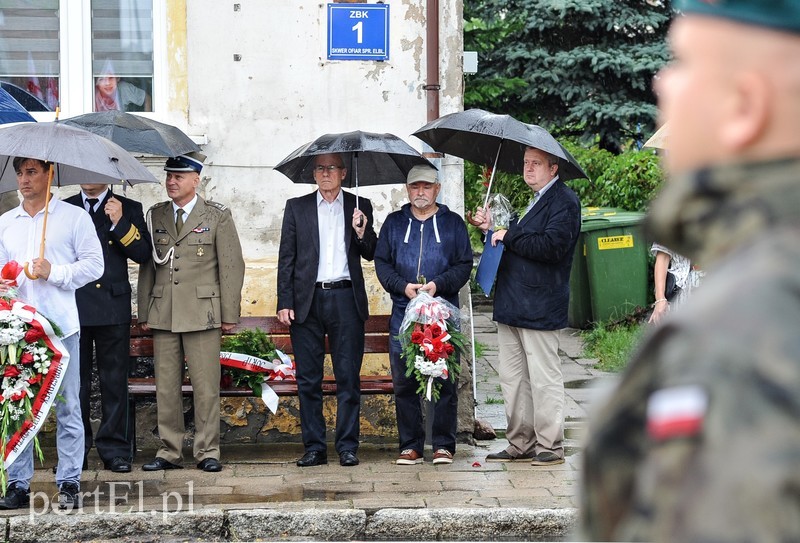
(332, 250)
(72, 248)
(187, 208)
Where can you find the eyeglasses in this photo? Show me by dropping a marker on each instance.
(329, 169)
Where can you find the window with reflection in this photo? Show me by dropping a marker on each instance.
(122, 54)
(29, 52)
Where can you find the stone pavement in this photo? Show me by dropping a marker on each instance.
(262, 494)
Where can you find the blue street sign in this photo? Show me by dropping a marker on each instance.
(358, 31)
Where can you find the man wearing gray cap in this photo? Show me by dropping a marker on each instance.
(422, 247)
(188, 296)
(701, 439)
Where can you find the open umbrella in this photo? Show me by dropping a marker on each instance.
(136, 134)
(12, 111)
(76, 157)
(370, 159)
(495, 140)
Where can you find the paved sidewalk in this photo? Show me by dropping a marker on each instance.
(262, 494)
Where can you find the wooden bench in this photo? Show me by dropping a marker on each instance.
(376, 341)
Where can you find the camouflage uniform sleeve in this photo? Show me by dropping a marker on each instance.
(733, 474)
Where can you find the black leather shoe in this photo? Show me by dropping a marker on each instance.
(119, 465)
(209, 464)
(348, 458)
(159, 463)
(313, 458)
(15, 497)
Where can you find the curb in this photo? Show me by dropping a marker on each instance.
(455, 524)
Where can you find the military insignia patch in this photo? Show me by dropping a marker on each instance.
(676, 412)
(201, 229)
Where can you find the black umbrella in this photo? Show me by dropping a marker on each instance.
(495, 140)
(370, 159)
(135, 133)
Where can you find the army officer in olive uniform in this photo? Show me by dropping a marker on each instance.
(189, 295)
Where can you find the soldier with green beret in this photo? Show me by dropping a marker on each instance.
(700, 441)
(188, 295)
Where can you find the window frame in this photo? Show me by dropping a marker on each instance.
(76, 94)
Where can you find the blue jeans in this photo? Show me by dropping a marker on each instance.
(69, 427)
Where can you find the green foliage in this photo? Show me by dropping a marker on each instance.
(575, 67)
(611, 344)
(627, 181)
(494, 401)
(254, 342)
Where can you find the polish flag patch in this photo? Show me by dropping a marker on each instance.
(676, 412)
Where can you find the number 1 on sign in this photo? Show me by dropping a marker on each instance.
(359, 28)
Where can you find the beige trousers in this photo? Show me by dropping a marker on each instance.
(533, 389)
(201, 352)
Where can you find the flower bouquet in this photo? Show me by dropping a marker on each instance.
(431, 343)
(251, 359)
(32, 361)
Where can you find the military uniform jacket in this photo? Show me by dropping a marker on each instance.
(199, 285)
(108, 300)
(701, 439)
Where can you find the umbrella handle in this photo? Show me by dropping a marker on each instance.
(491, 178)
(44, 222)
(360, 222)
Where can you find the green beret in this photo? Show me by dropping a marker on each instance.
(777, 14)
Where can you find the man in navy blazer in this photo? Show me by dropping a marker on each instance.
(531, 300)
(104, 308)
(321, 292)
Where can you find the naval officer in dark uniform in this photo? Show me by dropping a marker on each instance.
(104, 308)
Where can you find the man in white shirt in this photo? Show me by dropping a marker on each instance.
(73, 257)
(321, 292)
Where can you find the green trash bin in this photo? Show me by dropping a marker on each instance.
(580, 300)
(608, 279)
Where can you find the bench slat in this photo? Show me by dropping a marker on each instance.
(370, 384)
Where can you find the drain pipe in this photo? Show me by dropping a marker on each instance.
(432, 86)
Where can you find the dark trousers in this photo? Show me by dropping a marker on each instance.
(408, 403)
(111, 344)
(333, 313)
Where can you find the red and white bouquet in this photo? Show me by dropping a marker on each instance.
(32, 361)
(431, 343)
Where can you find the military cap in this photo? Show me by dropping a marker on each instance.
(776, 14)
(190, 162)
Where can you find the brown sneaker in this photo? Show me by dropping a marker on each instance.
(547, 458)
(442, 456)
(409, 457)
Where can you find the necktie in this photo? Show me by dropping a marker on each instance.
(179, 220)
(92, 202)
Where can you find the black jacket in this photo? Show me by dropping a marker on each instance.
(532, 288)
(108, 300)
(298, 256)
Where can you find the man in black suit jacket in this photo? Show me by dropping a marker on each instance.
(104, 308)
(321, 292)
(531, 300)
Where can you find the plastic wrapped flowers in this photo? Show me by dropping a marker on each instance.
(431, 343)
